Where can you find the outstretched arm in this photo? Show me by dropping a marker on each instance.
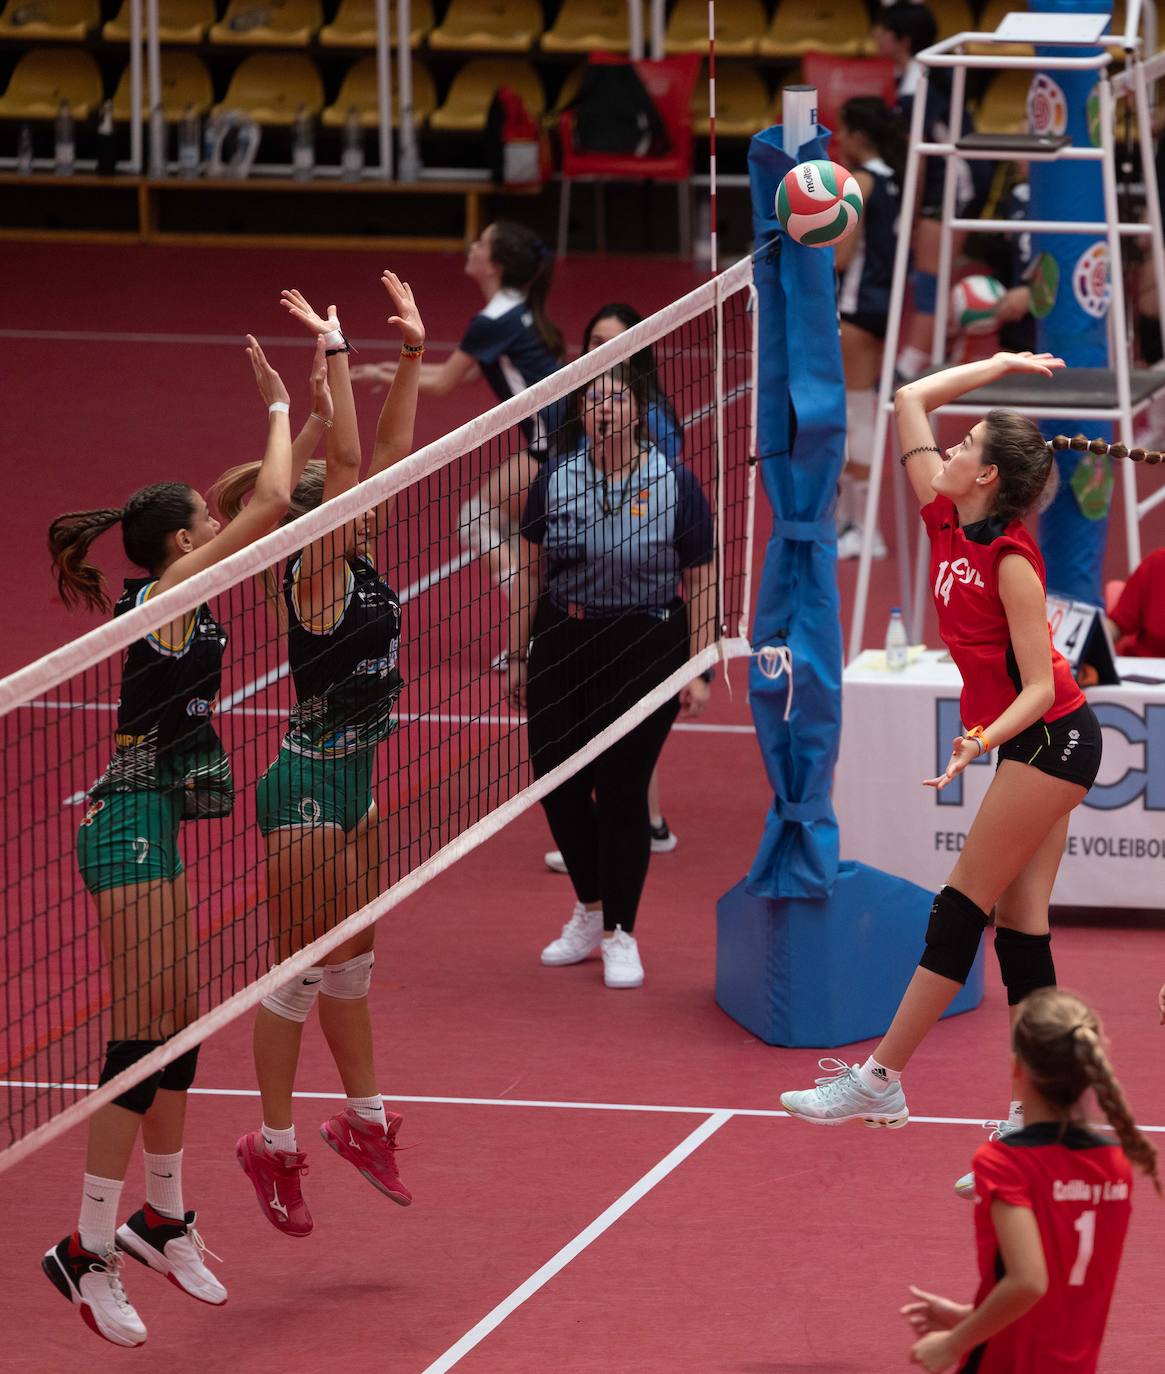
(435, 379)
(394, 429)
(914, 402)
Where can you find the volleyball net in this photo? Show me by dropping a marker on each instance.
(103, 940)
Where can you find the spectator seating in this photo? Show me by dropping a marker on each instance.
(989, 19)
(271, 88)
(179, 21)
(1003, 106)
(489, 26)
(955, 16)
(55, 21)
(185, 83)
(269, 23)
(46, 76)
(743, 106)
(739, 25)
(839, 78)
(468, 101)
(841, 27)
(358, 92)
(355, 25)
(586, 26)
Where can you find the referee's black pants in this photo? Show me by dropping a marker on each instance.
(582, 676)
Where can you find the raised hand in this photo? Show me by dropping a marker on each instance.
(1043, 364)
(407, 317)
(321, 392)
(270, 383)
(295, 303)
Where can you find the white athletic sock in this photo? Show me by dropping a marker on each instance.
(1015, 1114)
(860, 409)
(877, 1077)
(164, 1184)
(370, 1108)
(98, 1222)
(279, 1140)
(911, 362)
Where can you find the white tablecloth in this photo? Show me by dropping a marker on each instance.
(897, 729)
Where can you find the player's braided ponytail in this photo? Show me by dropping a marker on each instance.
(1059, 1039)
(1149, 456)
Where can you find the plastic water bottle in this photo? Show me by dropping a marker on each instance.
(897, 642)
(303, 151)
(24, 151)
(352, 157)
(189, 144)
(106, 141)
(65, 147)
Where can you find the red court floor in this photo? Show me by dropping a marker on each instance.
(602, 1180)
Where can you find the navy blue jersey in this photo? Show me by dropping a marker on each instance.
(609, 547)
(345, 671)
(512, 356)
(936, 128)
(865, 283)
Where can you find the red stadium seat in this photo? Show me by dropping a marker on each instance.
(839, 79)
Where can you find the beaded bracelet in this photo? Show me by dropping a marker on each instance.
(922, 448)
(327, 424)
(408, 350)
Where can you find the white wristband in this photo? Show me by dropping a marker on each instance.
(334, 338)
(280, 407)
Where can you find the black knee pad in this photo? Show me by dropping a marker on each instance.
(178, 1075)
(119, 1055)
(1025, 961)
(952, 936)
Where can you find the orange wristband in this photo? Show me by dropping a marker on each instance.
(976, 733)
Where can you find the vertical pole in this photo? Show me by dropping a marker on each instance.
(657, 23)
(886, 382)
(713, 260)
(718, 308)
(383, 91)
(154, 66)
(409, 167)
(135, 87)
(635, 30)
(750, 516)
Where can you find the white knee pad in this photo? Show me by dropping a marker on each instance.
(294, 999)
(350, 980)
(480, 526)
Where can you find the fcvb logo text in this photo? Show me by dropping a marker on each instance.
(1141, 726)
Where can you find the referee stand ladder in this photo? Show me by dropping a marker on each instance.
(1117, 393)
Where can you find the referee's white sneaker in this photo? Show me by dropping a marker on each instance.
(842, 1096)
(621, 964)
(965, 1187)
(580, 937)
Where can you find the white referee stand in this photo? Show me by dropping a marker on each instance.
(1124, 393)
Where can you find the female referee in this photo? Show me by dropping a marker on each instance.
(1018, 696)
(167, 765)
(315, 808)
(610, 532)
(1053, 1209)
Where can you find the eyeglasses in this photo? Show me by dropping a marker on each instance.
(595, 395)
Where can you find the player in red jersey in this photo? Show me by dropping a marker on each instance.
(1018, 696)
(1053, 1209)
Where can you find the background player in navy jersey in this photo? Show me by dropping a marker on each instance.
(315, 807)
(1053, 1204)
(512, 342)
(1018, 695)
(167, 765)
(870, 142)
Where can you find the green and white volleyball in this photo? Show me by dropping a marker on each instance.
(819, 203)
(973, 302)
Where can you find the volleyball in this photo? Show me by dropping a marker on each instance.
(973, 302)
(819, 204)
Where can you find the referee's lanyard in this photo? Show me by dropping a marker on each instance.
(624, 486)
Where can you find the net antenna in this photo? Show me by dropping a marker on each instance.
(712, 249)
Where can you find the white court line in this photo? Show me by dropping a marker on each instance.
(550, 1104)
(601, 1223)
(430, 579)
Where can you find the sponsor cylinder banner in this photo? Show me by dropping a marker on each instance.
(1071, 292)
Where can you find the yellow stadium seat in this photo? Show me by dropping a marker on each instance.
(55, 20)
(179, 21)
(489, 26)
(271, 87)
(359, 91)
(742, 102)
(954, 16)
(185, 81)
(1003, 107)
(739, 25)
(45, 77)
(589, 26)
(468, 101)
(989, 21)
(355, 24)
(833, 26)
(269, 23)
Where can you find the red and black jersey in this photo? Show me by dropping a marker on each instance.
(1079, 1186)
(964, 573)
